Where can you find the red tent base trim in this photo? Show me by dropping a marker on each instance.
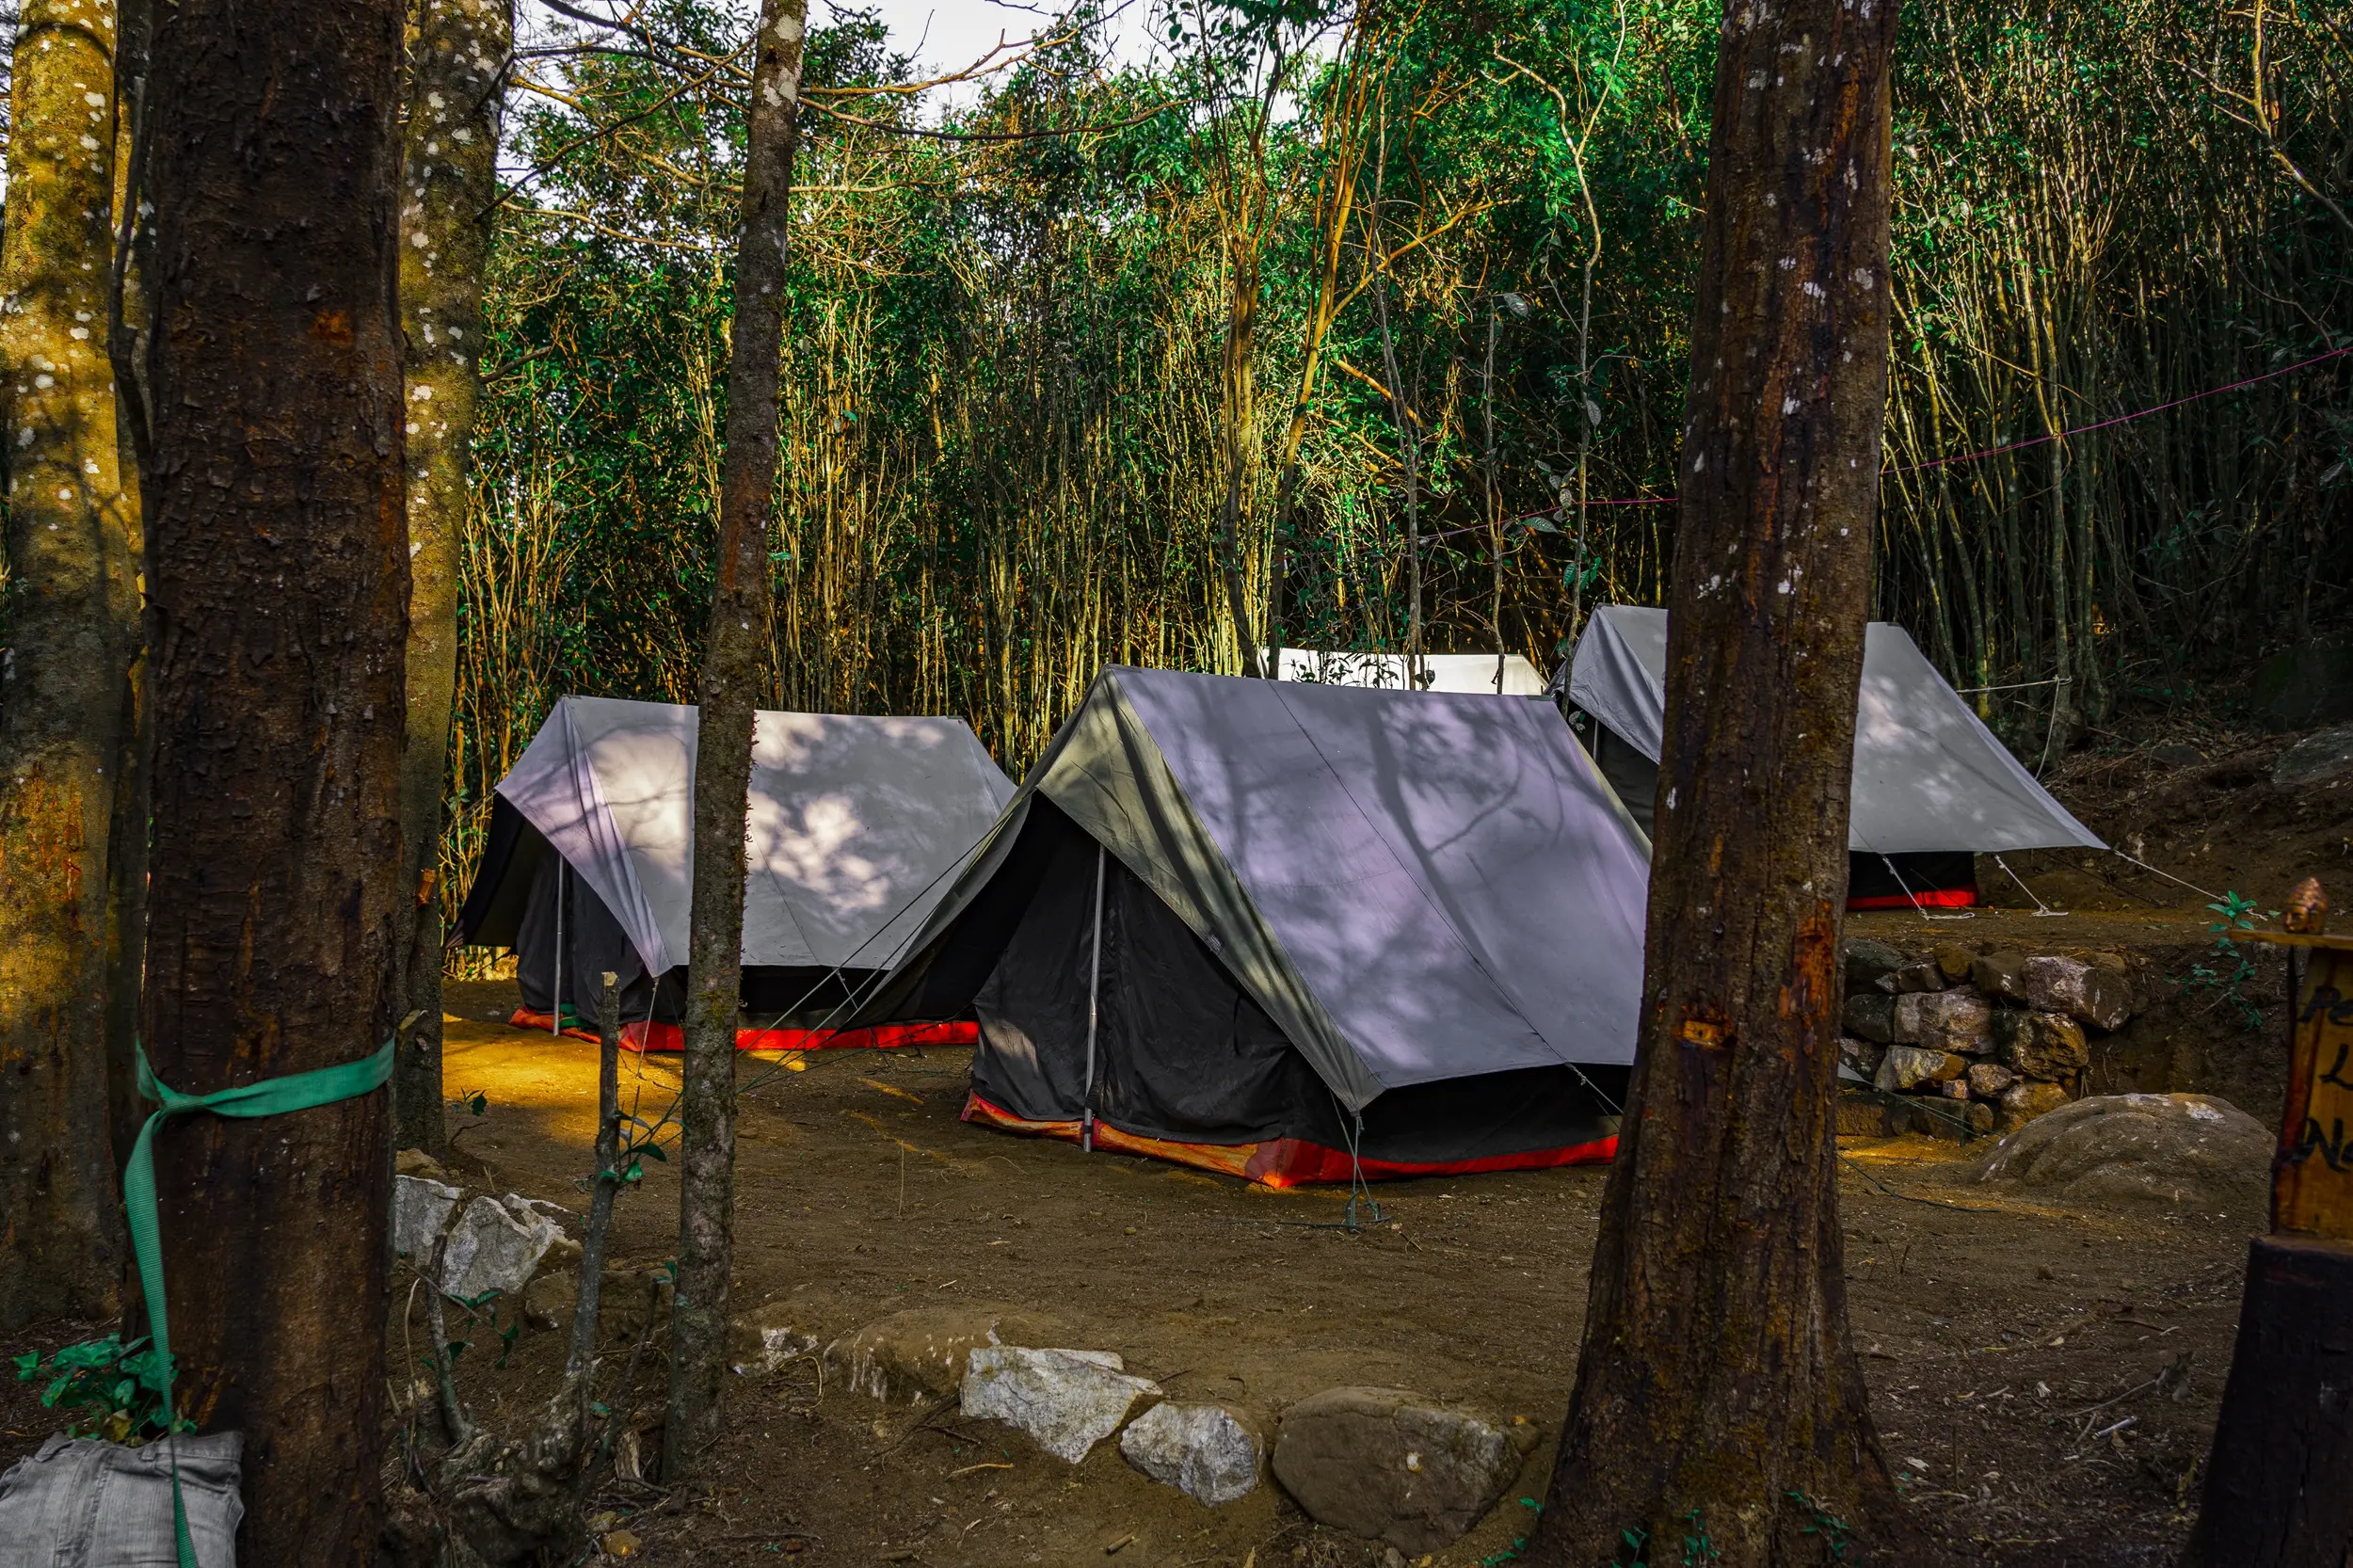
(1926, 898)
(1283, 1161)
(644, 1036)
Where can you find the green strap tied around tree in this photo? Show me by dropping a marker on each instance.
(273, 1096)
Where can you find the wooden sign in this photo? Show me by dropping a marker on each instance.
(2311, 1180)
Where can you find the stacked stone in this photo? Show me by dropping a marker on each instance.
(1991, 1040)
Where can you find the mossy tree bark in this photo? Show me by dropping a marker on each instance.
(735, 661)
(72, 634)
(1718, 1395)
(279, 592)
(449, 186)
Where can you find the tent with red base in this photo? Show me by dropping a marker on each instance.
(855, 827)
(1933, 788)
(1297, 932)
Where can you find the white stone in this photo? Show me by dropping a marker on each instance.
(495, 1246)
(1908, 1068)
(1065, 1400)
(1205, 1451)
(1945, 1020)
(421, 1211)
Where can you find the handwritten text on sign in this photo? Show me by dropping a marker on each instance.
(2312, 1182)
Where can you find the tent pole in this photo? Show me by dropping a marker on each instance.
(555, 1002)
(1095, 985)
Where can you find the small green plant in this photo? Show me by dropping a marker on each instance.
(1637, 1542)
(117, 1387)
(1697, 1547)
(1822, 1522)
(2228, 973)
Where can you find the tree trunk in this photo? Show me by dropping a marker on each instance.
(279, 593)
(1718, 1403)
(449, 185)
(72, 573)
(733, 661)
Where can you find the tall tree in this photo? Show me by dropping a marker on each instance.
(449, 190)
(72, 633)
(279, 589)
(1718, 1395)
(735, 660)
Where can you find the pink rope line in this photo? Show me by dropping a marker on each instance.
(1964, 456)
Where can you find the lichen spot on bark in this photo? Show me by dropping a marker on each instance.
(332, 326)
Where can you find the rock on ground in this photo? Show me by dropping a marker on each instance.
(1955, 960)
(1868, 963)
(1871, 1016)
(2315, 758)
(1909, 1067)
(1919, 974)
(2089, 992)
(2182, 1151)
(2000, 975)
(2048, 1046)
(1384, 1464)
(1863, 1056)
(1065, 1400)
(920, 1353)
(1207, 1451)
(421, 1211)
(495, 1246)
(1991, 1081)
(2025, 1101)
(1945, 1020)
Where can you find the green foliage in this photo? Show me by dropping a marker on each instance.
(114, 1389)
(1003, 463)
(2230, 968)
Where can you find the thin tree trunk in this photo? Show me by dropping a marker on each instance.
(732, 668)
(1718, 1395)
(1241, 420)
(280, 590)
(73, 569)
(604, 1186)
(449, 185)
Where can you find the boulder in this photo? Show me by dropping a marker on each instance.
(495, 1246)
(920, 1354)
(1863, 1056)
(1869, 1113)
(2315, 758)
(1945, 1020)
(1955, 960)
(1871, 1016)
(416, 1162)
(1207, 1451)
(1991, 1081)
(2000, 975)
(1065, 1400)
(2308, 683)
(2047, 1045)
(1908, 1068)
(1948, 1089)
(772, 1333)
(2090, 992)
(1868, 963)
(1384, 1464)
(2174, 1151)
(551, 1298)
(421, 1211)
(1920, 974)
(2028, 1101)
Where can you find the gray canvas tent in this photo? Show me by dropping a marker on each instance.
(856, 827)
(1932, 786)
(1222, 920)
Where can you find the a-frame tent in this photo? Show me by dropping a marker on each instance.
(1298, 932)
(856, 829)
(1933, 788)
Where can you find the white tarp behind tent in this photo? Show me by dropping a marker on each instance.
(1928, 774)
(1447, 672)
(856, 825)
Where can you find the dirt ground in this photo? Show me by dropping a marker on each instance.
(2044, 1379)
(2005, 1341)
